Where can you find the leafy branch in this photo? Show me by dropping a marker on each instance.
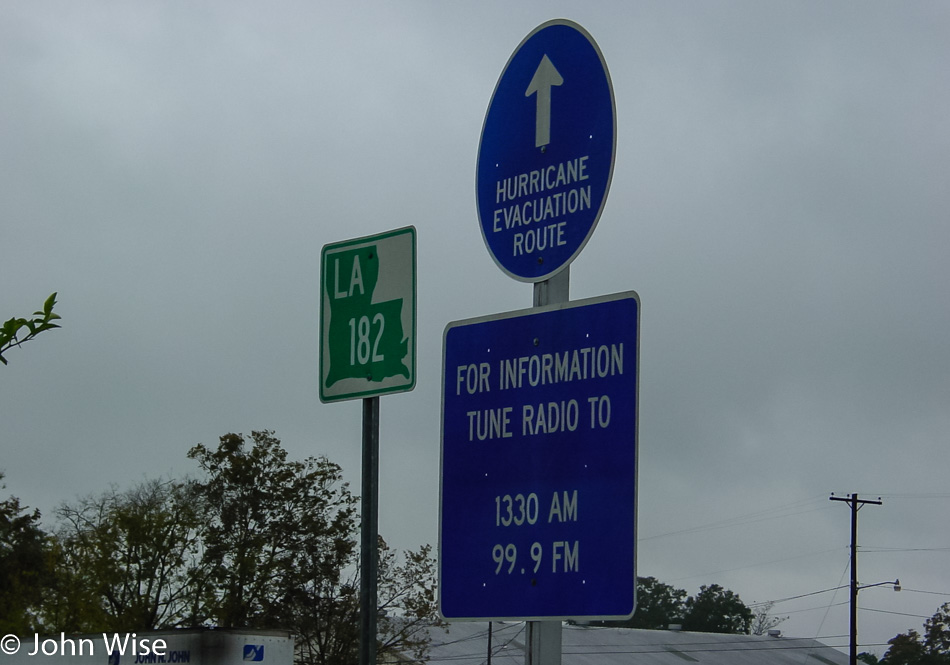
(42, 320)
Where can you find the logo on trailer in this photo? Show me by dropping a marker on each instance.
(253, 653)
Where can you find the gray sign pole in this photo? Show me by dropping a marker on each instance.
(543, 642)
(369, 555)
(365, 364)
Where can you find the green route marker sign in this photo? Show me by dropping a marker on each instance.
(368, 316)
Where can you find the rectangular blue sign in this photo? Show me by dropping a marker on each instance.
(539, 463)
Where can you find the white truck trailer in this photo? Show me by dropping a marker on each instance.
(188, 647)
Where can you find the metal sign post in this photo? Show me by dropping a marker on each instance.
(544, 639)
(368, 348)
(369, 531)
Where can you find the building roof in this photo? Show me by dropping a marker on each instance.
(466, 643)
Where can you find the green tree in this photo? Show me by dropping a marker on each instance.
(259, 541)
(937, 633)
(716, 610)
(24, 567)
(931, 648)
(905, 649)
(124, 559)
(272, 525)
(280, 551)
(713, 609)
(42, 320)
(658, 604)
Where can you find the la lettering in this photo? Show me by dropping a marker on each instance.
(356, 279)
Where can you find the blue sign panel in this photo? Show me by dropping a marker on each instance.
(547, 152)
(539, 463)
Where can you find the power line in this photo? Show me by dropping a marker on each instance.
(788, 644)
(872, 549)
(921, 495)
(820, 607)
(802, 595)
(835, 588)
(739, 640)
(903, 614)
(934, 593)
(753, 565)
(828, 608)
(747, 518)
(480, 657)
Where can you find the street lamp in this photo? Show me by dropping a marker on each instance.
(896, 584)
(855, 587)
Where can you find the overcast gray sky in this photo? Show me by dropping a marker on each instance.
(779, 202)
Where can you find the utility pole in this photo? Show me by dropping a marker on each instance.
(855, 504)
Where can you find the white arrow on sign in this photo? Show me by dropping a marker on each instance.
(544, 77)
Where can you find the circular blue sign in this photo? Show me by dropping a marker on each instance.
(546, 155)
